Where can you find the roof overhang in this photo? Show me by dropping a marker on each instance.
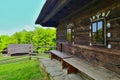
(54, 11)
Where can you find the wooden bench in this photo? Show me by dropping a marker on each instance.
(57, 54)
(89, 71)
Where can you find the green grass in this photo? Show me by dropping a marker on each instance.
(23, 70)
(20, 68)
(44, 55)
(4, 57)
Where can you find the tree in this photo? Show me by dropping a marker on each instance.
(39, 37)
(4, 41)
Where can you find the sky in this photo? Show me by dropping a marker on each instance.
(16, 15)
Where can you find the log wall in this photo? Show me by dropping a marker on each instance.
(80, 44)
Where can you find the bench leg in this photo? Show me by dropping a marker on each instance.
(71, 69)
(53, 56)
(64, 64)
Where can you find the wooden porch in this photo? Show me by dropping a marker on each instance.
(74, 64)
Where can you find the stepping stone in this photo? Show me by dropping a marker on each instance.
(54, 68)
(56, 74)
(75, 77)
(61, 77)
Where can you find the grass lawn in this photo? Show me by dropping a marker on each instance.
(5, 57)
(44, 55)
(23, 70)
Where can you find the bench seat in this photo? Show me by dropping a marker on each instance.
(75, 64)
(57, 54)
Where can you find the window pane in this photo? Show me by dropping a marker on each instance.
(100, 32)
(94, 37)
(94, 27)
(69, 34)
(100, 24)
(97, 32)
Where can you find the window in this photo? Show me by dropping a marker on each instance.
(69, 33)
(97, 33)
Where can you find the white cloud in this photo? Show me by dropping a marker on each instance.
(28, 28)
(20, 28)
(3, 32)
(44, 27)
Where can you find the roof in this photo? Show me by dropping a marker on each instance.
(54, 11)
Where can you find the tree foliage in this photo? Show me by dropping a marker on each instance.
(39, 37)
(4, 41)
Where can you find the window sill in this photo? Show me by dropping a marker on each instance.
(101, 45)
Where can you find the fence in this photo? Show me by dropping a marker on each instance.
(44, 49)
(8, 59)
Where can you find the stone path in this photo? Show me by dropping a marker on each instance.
(54, 69)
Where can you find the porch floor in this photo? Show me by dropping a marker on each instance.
(55, 71)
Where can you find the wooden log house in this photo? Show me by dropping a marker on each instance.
(20, 49)
(88, 30)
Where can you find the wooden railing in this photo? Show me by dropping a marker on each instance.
(8, 59)
(36, 48)
(46, 49)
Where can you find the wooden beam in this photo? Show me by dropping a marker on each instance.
(58, 6)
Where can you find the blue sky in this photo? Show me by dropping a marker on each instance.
(16, 15)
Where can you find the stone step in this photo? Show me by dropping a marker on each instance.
(54, 69)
